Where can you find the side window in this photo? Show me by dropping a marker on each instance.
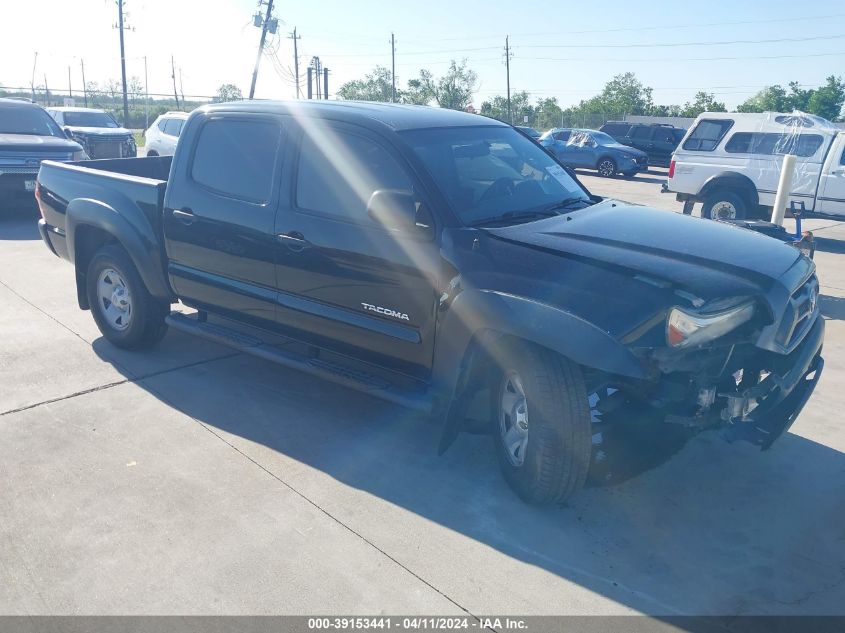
(768, 144)
(562, 136)
(339, 171)
(615, 129)
(172, 127)
(180, 123)
(663, 135)
(237, 158)
(707, 134)
(842, 158)
(641, 132)
(162, 123)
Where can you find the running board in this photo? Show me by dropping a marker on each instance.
(325, 369)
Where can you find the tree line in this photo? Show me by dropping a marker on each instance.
(623, 95)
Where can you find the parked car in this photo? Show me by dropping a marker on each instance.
(530, 131)
(657, 140)
(591, 149)
(731, 162)
(97, 131)
(429, 257)
(162, 135)
(27, 136)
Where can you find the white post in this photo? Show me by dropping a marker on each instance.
(784, 189)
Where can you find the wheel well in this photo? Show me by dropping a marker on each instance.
(152, 152)
(88, 240)
(738, 184)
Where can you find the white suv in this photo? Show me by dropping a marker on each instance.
(731, 162)
(163, 134)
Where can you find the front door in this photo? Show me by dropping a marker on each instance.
(832, 184)
(347, 281)
(218, 223)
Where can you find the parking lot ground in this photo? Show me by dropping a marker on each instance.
(194, 480)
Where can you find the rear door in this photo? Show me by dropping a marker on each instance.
(662, 145)
(345, 280)
(219, 212)
(640, 137)
(832, 183)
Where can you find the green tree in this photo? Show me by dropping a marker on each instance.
(375, 86)
(548, 113)
(228, 92)
(497, 108)
(827, 101)
(702, 102)
(453, 90)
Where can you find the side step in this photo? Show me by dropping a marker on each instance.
(325, 369)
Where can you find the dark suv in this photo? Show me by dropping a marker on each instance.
(658, 140)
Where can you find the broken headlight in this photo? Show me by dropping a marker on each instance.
(689, 329)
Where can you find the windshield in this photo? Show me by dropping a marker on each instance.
(28, 120)
(89, 119)
(604, 139)
(488, 172)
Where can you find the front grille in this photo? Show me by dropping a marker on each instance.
(8, 169)
(105, 149)
(800, 313)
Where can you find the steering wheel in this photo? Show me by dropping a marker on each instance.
(500, 187)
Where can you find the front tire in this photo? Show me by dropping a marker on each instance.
(127, 315)
(724, 205)
(606, 168)
(542, 422)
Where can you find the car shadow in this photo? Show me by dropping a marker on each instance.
(713, 529)
(832, 307)
(828, 245)
(19, 224)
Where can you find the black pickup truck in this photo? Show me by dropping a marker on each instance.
(439, 260)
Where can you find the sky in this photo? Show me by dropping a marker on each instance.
(561, 49)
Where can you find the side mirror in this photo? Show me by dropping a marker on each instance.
(393, 209)
(68, 133)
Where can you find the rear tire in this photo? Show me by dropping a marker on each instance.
(724, 204)
(152, 152)
(542, 424)
(127, 315)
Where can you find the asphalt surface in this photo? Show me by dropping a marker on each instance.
(193, 480)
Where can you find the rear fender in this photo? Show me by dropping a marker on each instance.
(476, 320)
(734, 181)
(134, 234)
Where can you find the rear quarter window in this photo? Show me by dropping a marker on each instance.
(641, 131)
(708, 134)
(768, 144)
(237, 158)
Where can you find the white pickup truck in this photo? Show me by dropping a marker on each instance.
(731, 163)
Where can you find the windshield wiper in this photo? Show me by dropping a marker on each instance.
(513, 215)
(566, 203)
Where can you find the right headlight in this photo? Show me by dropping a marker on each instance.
(688, 329)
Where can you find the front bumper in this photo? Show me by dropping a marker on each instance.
(782, 394)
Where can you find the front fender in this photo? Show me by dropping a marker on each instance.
(134, 234)
(475, 319)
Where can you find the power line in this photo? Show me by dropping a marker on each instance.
(678, 59)
(675, 44)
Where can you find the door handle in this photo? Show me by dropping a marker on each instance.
(184, 215)
(294, 240)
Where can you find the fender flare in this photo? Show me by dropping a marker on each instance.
(476, 319)
(134, 234)
(731, 180)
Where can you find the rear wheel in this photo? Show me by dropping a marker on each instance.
(126, 313)
(542, 421)
(152, 152)
(606, 167)
(724, 204)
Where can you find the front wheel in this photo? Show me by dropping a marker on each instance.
(606, 168)
(126, 313)
(542, 423)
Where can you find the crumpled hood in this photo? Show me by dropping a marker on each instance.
(697, 255)
(36, 144)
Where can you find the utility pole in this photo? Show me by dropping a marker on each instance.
(173, 77)
(181, 87)
(325, 83)
(508, 71)
(393, 63)
(69, 86)
(293, 36)
(260, 47)
(123, 63)
(32, 83)
(46, 90)
(146, 96)
(317, 73)
(84, 87)
(310, 92)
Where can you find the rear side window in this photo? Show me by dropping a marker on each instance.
(640, 131)
(842, 158)
(339, 171)
(664, 135)
(767, 144)
(162, 124)
(707, 135)
(237, 158)
(562, 136)
(615, 129)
